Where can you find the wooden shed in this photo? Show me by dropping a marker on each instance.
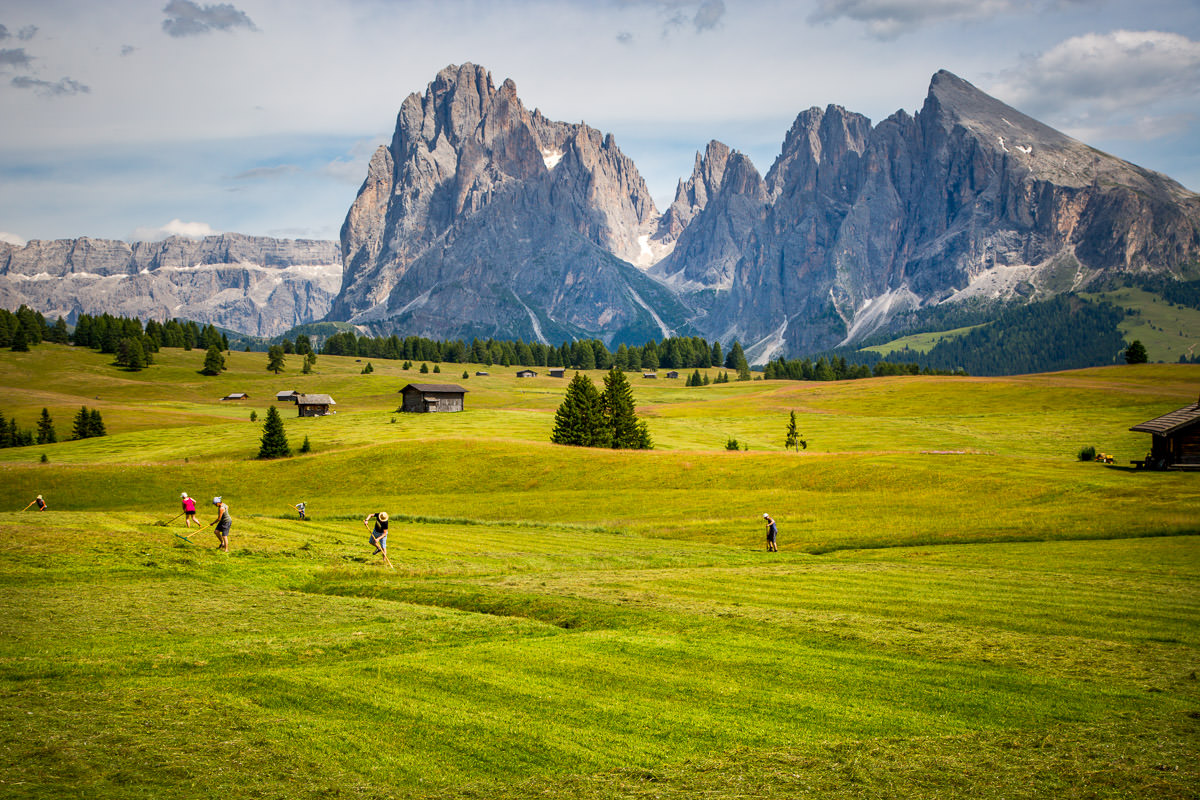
(1175, 440)
(673, 374)
(526, 373)
(236, 396)
(558, 372)
(421, 398)
(286, 397)
(314, 405)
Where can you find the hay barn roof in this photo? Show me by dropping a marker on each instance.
(436, 388)
(1169, 423)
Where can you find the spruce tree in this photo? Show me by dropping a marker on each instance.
(20, 344)
(579, 420)
(214, 362)
(81, 426)
(617, 404)
(307, 368)
(793, 440)
(96, 424)
(274, 438)
(275, 359)
(1134, 354)
(45, 429)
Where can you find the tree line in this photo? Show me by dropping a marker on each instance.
(671, 353)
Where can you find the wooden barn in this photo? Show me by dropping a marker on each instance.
(558, 372)
(1175, 440)
(526, 373)
(673, 375)
(422, 398)
(314, 405)
(236, 396)
(286, 397)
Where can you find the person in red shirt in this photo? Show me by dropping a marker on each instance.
(189, 511)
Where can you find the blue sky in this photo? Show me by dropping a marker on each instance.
(131, 120)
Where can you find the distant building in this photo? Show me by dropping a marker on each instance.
(287, 397)
(672, 374)
(422, 398)
(526, 373)
(558, 372)
(649, 374)
(314, 405)
(1175, 440)
(236, 396)
(484, 374)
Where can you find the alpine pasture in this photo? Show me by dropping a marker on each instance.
(959, 607)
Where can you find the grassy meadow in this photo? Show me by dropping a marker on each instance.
(959, 607)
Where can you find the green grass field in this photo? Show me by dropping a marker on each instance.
(960, 607)
(1167, 331)
(920, 342)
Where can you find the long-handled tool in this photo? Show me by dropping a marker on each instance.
(31, 502)
(188, 537)
(172, 519)
(375, 542)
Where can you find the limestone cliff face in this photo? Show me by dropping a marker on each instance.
(968, 197)
(484, 218)
(256, 285)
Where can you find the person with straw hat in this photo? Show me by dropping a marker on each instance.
(771, 532)
(379, 535)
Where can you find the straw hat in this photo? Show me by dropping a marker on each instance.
(383, 516)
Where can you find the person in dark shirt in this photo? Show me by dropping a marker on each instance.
(771, 532)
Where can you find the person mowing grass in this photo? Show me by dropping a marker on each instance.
(223, 523)
(189, 511)
(771, 532)
(379, 535)
(41, 504)
(299, 508)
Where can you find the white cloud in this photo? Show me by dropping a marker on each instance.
(185, 18)
(176, 227)
(266, 173)
(63, 87)
(11, 238)
(1131, 83)
(888, 19)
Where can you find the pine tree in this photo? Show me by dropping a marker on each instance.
(6, 437)
(275, 359)
(616, 401)
(45, 429)
(424, 368)
(95, 424)
(274, 438)
(20, 344)
(306, 447)
(1134, 354)
(579, 420)
(793, 440)
(131, 354)
(80, 427)
(307, 368)
(214, 362)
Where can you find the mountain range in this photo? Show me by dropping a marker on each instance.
(484, 218)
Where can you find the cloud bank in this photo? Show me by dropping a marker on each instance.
(185, 18)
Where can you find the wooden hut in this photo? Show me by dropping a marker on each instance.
(236, 396)
(424, 398)
(650, 375)
(1175, 440)
(314, 405)
(288, 396)
(673, 374)
(526, 373)
(558, 372)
